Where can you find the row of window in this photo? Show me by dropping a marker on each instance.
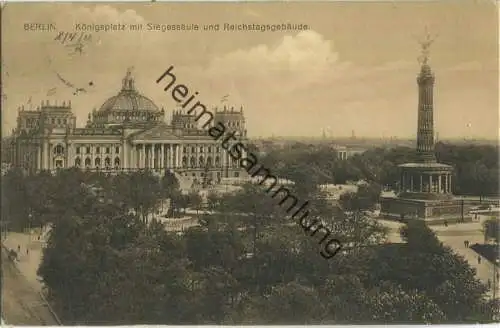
(59, 121)
(59, 150)
(33, 122)
(234, 124)
(136, 118)
(201, 149)
(98, 150)
(97, 162)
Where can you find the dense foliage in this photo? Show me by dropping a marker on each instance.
(476, 167)
(248, 263)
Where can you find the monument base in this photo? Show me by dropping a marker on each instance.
(432, 210)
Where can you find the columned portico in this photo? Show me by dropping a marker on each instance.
(158, 155)
(429, 181)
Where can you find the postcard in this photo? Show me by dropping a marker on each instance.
(262, 163)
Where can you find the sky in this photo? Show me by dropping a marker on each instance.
(353, 70)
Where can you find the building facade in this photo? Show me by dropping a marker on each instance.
(127, 133)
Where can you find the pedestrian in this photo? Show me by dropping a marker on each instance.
(465, 243)
(19, 248)
(27, 251)
(479, 260)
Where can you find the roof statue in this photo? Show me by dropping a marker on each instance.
(425, 44)
(128, 80)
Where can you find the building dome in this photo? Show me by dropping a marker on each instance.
(128, 107)
(129, 99)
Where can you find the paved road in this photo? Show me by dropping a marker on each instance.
(21, 304)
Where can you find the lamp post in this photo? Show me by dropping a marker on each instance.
(495, 277)
(30, 216)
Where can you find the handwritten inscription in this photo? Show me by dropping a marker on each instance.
(74, 40)
(73, 37)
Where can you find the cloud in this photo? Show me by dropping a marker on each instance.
(301, 78)
(303, 58)
(102, 14)
(104, 60)
(289, 84)
(467, 66)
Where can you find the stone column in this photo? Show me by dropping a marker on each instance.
(430, 182)
(140, 150)
(178, 155)
(45, 155)
(411, 183)
(162, 156)
(421, 183)
(403, 182)
(154, 157)
(169, 156)
(125, 154)
(141, 156)
(133, 161)
(439, 184)
(40, 157)
(68, 156)
(148, 156)
(173, 155)
(92, 156)
(224, 159)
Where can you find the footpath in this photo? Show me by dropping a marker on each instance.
(22, 304)
(30, 251)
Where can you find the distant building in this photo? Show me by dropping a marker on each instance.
(344, 152)
(127, 133)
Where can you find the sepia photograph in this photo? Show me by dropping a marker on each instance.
(250, 163)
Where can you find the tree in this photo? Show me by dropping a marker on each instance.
(424, 265)
(252, 208)
(14, 211)
(170, 184)
(38, 190)
(143, 193)
(291, 303)
(364, 199)
(213, 200)
(391, 303)
(194, 200)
